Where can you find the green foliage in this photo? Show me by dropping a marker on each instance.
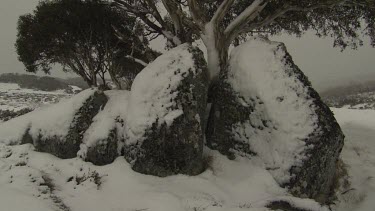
(345, 21)
(82, 36)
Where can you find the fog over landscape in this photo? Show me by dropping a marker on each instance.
(325, 66)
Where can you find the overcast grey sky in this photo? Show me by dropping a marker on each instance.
(325, 66)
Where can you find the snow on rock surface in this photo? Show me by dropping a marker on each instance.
(258, 71)
(153, 91)
(36, 181)
(265, 107)
(102, 141)
(43, 120)
(166, 104)
(56, 128)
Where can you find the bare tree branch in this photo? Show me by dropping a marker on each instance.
(197, 14)
(222, 11)
(173, 11)
(139, 61)
(155, 12)
(287, 8)
(249, 14)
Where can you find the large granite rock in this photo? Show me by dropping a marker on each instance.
(68, 146)
(165, 115)
(264, 107)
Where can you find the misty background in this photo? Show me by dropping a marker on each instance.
(325, 66)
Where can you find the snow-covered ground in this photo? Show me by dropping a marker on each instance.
(35, 181)
(14, 98)
(359, 159)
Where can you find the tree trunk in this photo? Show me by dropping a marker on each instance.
(81, 72)
(94, 80)
(89, 82)
(217, 51)
(223, 58)
(217, 60)
(112, 73)
(102, 76)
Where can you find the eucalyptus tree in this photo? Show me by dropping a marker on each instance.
(221, 23)
(87, 37)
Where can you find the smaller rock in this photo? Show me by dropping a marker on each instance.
(104, 139)
(67, 147)
(105, 151)
(284, 206)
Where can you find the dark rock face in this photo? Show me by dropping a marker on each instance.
(284, 205)
(105, 152)
(176, 148)
(26, 138)
(226, 112)
(232, 112)
(67, 147)
(314, 178)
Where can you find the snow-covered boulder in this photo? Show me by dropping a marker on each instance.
(166, 106)
(67, 145)
(57, 129)
(266, 108)
(103, 141)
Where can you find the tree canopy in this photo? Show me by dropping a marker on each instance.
(220, 23)
(92, 38)
(89, 38)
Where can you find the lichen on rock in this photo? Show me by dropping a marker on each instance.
(68, 146)
(167, 103)
(265, 107)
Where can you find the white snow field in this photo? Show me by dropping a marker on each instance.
(359, 159)
(15, 98)
(35, 181)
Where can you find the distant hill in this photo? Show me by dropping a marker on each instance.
(353, 88)
(77, 81)
(44, 83)
(21, 93)
(355, 96)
